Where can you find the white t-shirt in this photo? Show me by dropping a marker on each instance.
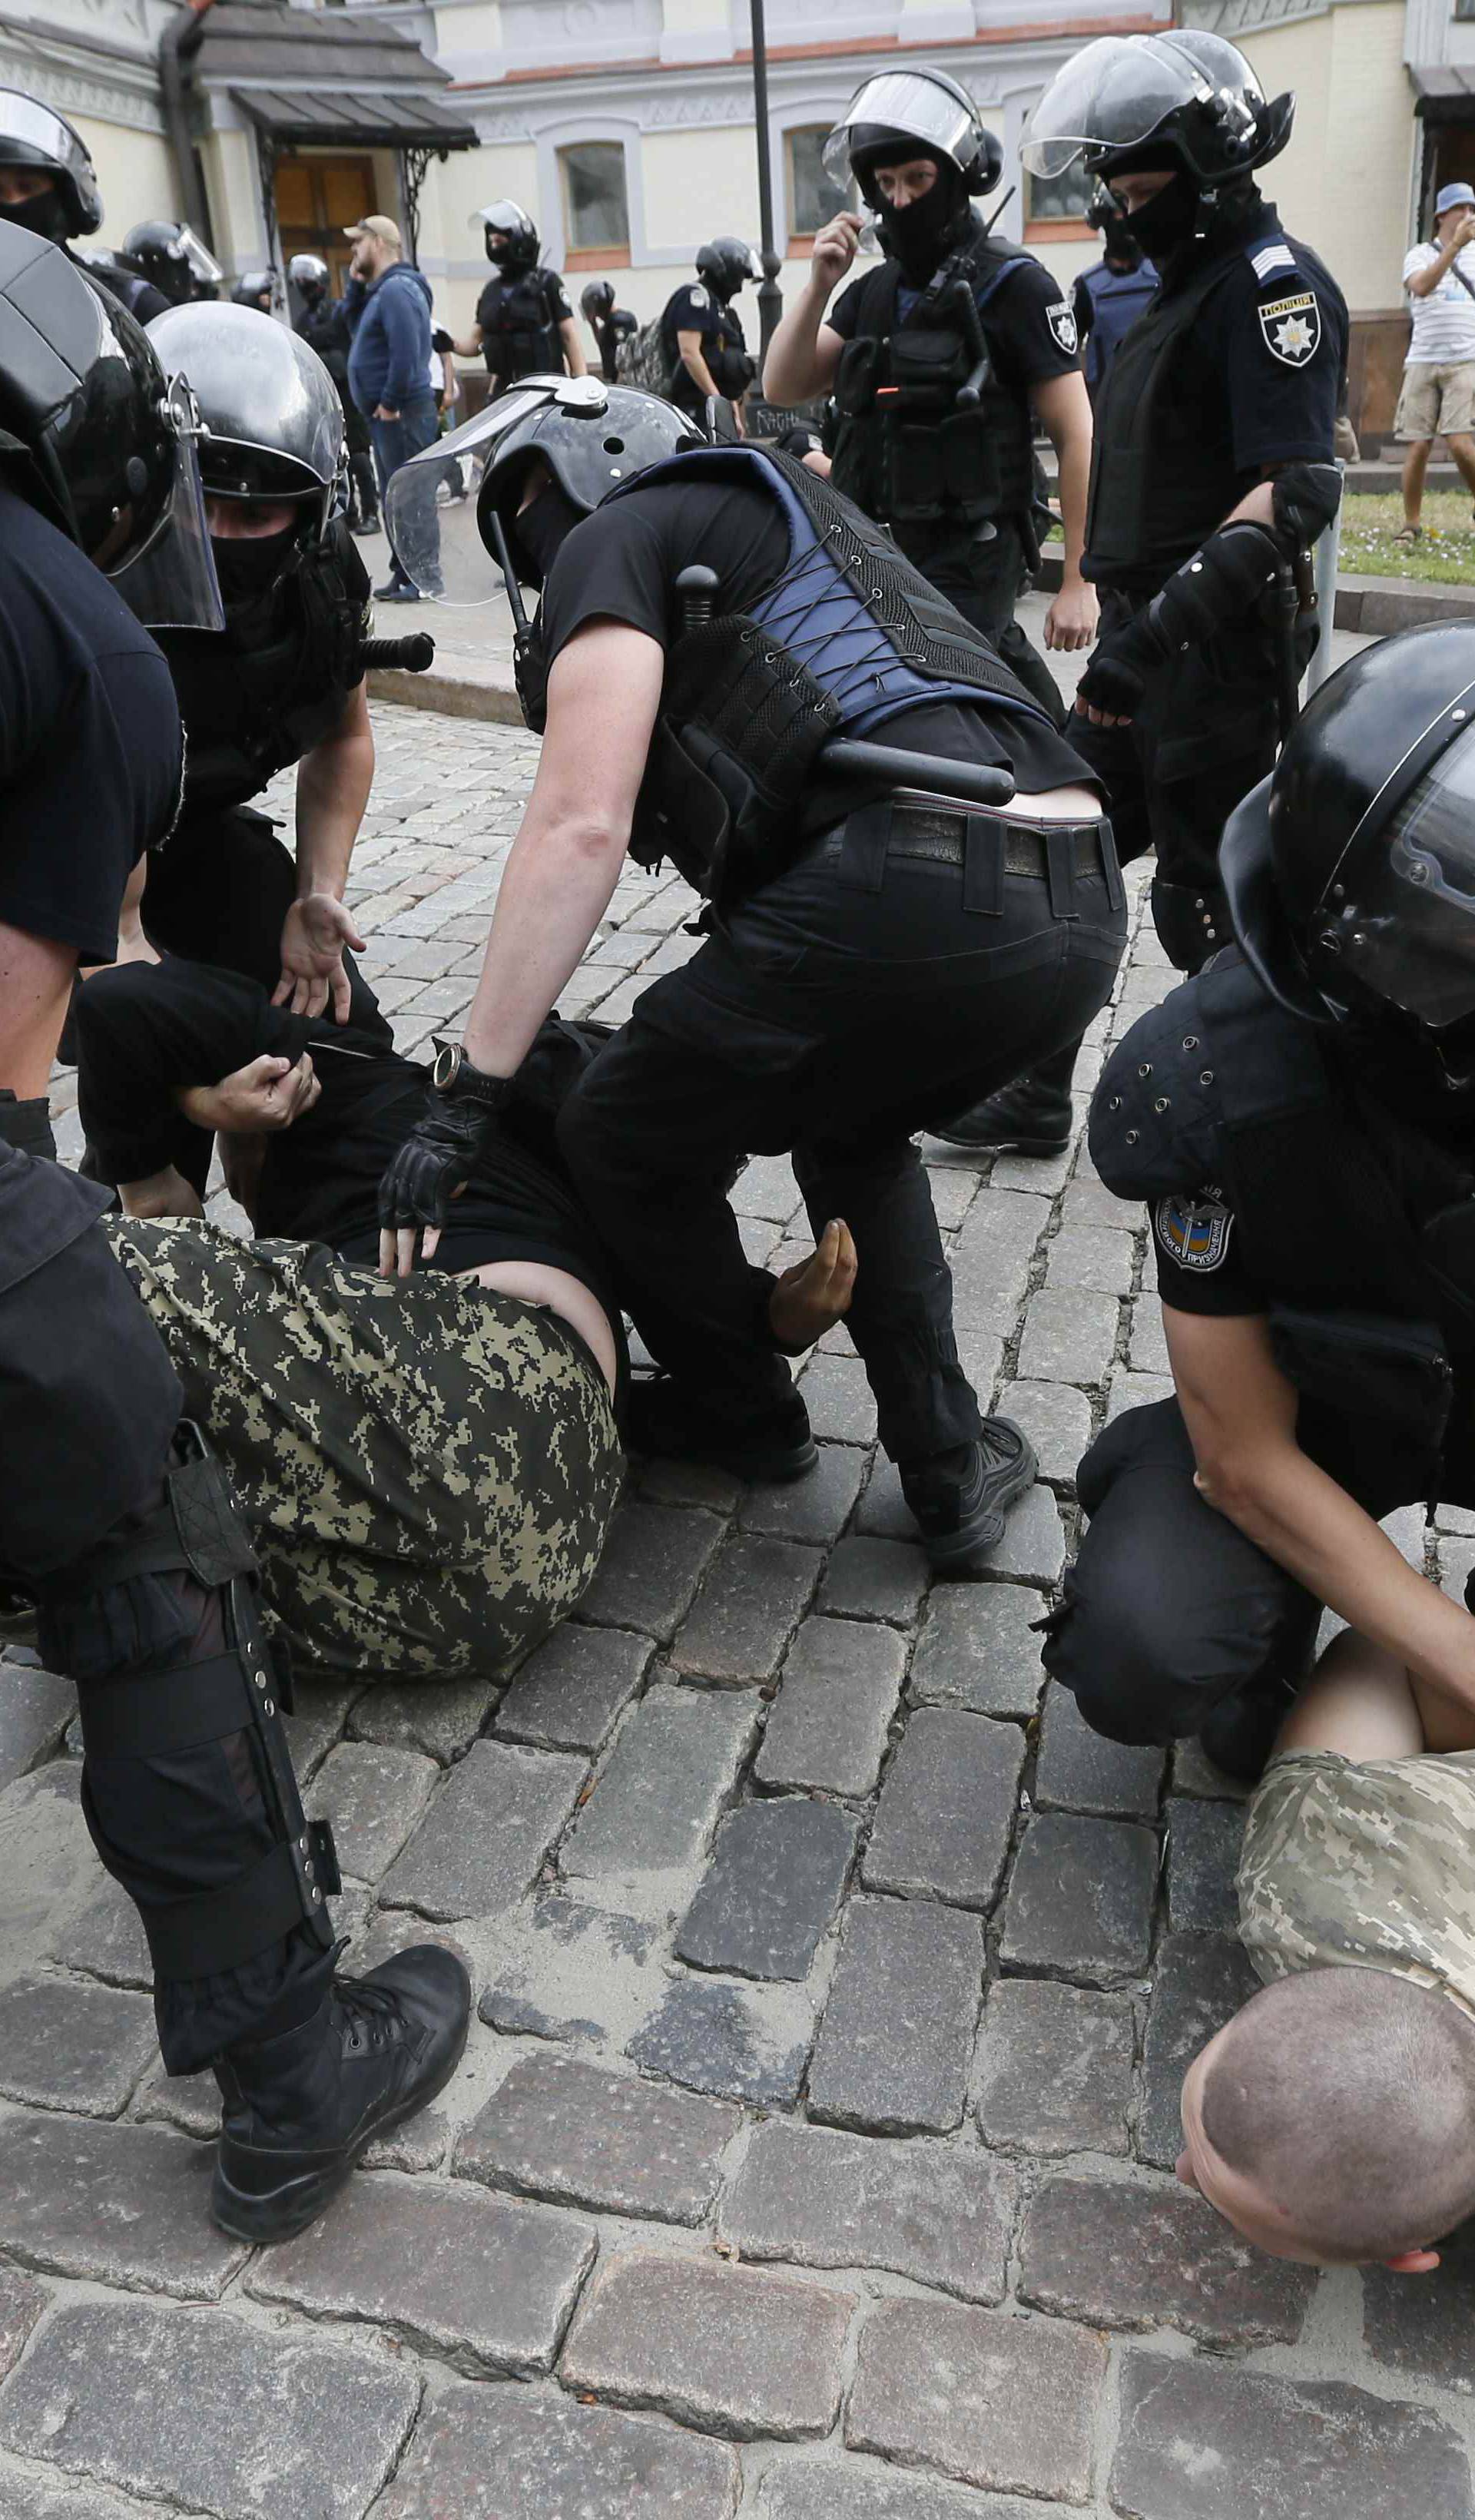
(1444, 321)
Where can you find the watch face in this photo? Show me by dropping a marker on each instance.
(447, 1063)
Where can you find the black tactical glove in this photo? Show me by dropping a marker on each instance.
(442, 1150)
(1223, 580)
(1121, 663)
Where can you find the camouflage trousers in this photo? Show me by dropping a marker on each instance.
(428, 1469)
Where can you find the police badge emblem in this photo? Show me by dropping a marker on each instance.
(1194, 1232)
(1292, 328)
(1063, 323)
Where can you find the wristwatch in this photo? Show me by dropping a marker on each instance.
(455, 1076)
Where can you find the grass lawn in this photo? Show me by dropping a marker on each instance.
(1446, 557)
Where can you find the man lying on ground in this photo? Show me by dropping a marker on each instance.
(428, 1469)
(1333, 2118)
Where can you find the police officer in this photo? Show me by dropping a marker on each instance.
(283, 683)
(702, 339)
(1212, 474)
(609, 324)
(116, 1523)
(525, 324)
(48, 185)
(168, 254)
(323, 325)
(256, 288)
(1301, 1118)
(711, 618)
(1110, 294)
(940, 360)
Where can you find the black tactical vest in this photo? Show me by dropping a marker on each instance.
(1371, 1297)
(904, 450)
(519, 333)
(258, 695)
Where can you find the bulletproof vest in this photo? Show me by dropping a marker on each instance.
(1221, 1093)
(1117, 299)
(258, 695)
(905, 451)
(847, 637)
(520, 337)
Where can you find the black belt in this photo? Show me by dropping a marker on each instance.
(932, 832)
(986, 846)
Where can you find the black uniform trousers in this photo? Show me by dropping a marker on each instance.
(984, 582)
(829, 1015)
(89, 1404)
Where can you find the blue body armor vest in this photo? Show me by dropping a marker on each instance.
(1117, 299)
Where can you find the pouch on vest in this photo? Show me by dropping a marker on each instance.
(1369, 1369)
(927, 368)
(856, 377)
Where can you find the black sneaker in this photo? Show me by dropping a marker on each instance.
(301, 2109)
(960, 1498)
(396, 594)
(365, 526)
(1026, 1118)
(673, 1424)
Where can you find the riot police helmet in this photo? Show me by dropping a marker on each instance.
(1179, 99)
(38, 143)
(925, 112)
(272, 412)
(309, 275)
(254, 287)
(597, 301)
(95, 433)
(168, 253)
(726, 263)
(510, 236)
(1349, 872)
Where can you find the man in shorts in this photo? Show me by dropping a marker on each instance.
(1332, 2120)
(1438, 396)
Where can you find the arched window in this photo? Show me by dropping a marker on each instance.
(813, 200)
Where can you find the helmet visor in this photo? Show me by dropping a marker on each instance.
(171, 583)
(187, 247)
(31, 135)
(903, 101)
(437, 544)
(1409, 937)
(1113, 95)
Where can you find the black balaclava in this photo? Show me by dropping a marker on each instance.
(1168, 220)
(249, 565)
(919, 234)
(43, 215)
(544, 524)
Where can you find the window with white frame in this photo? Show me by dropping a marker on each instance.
(1059, 196)
(596, 204)
(813, 198)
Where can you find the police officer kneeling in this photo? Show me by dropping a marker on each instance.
(1301, 1118)
(116, 1523)
(867, 951)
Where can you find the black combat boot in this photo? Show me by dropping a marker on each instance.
(1028, 1118)
(958, 1498)
(301, 2108)
(673, 1423)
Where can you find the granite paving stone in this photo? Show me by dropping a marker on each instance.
(487, 2281)
(486, 1831)
(558, 2127)
(839, 1400)
(829, 1727)
(1421, 2325)
(1203, 1853)
(771, 1888)
(722, 2347)
(28, 2495)
(1148, 1345)
(1200, 1980)
(652, 1563)
(225, 2435)
(875, 1579)
(1079, 1769)
(1002, 2403)
(946, 1812)
(1080, 1902)
(735, 2040)
(755, 1592)
(856, 2489)
(569, 1694)
(562, 1969)
(1202, 2440)
(893, 2046)
(1137, 1391)
(1090, 1256)
(116, 2204)
(439, 1717)
(105, 1939)
(1057, 1418)
(815, 1509)
(976, 1650)
(766, 1186)
(1116, 2254)
(940, 2212)
(656, 1802)
(883, 1513)
(22, 2302)
(35, 1708)
(522, 2454)
(1069, 1336)
(67, 2042)
(991, 1256)
(1033, 1547)
(373, 1796)
(1054, 2068)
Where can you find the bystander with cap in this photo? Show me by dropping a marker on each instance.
(1438, 397)
(387, 305)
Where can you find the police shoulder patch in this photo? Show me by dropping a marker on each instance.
(696, 298)
(1291, 327)
(1062, 323)
(1194, 1232)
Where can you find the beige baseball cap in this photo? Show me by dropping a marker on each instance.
(376, 225)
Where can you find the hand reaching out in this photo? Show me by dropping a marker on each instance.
(314, 934)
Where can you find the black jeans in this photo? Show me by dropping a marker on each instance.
(1169, 1609)
(832, 1016)
(984, 582)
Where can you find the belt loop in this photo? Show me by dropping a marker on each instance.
(983, 865)
(1060, 867)
(863, 840)
(1112, 873)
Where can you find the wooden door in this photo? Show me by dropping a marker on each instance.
(317, 199)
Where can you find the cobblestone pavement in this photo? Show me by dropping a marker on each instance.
(812, 2154)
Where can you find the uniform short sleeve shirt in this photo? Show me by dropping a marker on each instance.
(1444, 321)
(1277, 339)
(1200, 1267)
(1028, 323)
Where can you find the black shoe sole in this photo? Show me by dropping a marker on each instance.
(1014, 1144)
(984, 1529)
(284, 2211)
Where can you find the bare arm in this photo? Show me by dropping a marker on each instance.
(333, 781)
(471, 347)
(573, 348)
(603, 694)
(694, 360)
(805, 351)
(1422, 284)
(1062, 406)
(1240, 1413)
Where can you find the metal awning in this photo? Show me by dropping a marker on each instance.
(395, 121)
(324, 74)
(1445, 92)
